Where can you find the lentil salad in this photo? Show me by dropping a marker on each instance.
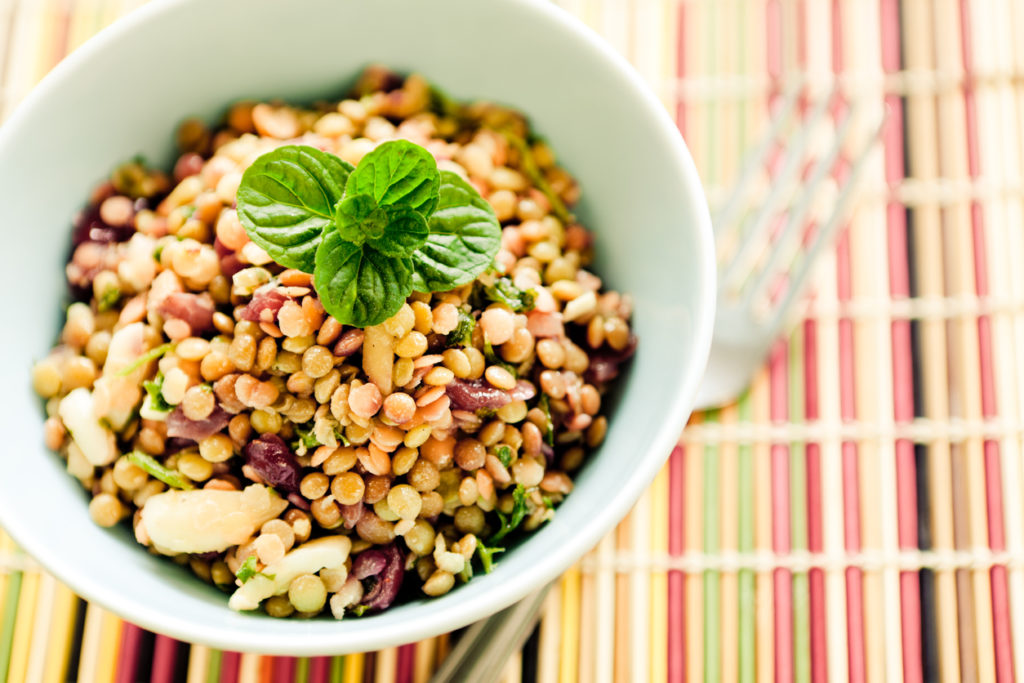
(201, 392)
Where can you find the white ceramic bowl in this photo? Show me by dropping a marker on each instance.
(123, 94)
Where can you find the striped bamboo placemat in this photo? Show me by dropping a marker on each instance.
(857, 515)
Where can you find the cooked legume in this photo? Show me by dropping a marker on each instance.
(411, 433)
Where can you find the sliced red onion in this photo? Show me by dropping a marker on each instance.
(474, 394)
(352, 514)
(388, 581)
(263, 306)
(369, 563)
(188, 164)
(524, 390)
(230, 263)
(274, 462)
(89, 227)
(298, 501)
(195, 309)
(604, 364)
(179, 426)
(350, 341)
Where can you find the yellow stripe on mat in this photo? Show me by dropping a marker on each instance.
(65, 609)
(354, 668)
(198, 663)
(41, 627)
(386, 666)
(569, 657)
(17, 671)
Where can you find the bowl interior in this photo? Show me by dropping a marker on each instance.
(124, 93)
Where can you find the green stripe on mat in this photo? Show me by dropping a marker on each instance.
(747, 593)
(213, 667)
(337, 669)
(7, 622)
(302, 670)
(798, 513)
(712, 580)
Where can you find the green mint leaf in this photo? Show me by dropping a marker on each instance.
(462, 335)
(154, 388)
(247, 570)
(397, 173)
(153, 468)
(358, 610)
(391, 230)
(510, 523)
(152, 354)
(359, 218)
(404, 233)
(357, 284)
(286, 199)
(464, 238)
(504, 292)
(504, 454)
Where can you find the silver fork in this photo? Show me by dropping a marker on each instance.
(767, 248)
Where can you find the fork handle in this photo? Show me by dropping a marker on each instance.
(485, 647)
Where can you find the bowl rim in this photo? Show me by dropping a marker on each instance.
(515, 587)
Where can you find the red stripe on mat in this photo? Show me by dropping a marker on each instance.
(165, 654)
(404, 664)
(676, 622)
(283, 670)
(1001, 622)
(229, 663)
(781, 536)
(128, 657)
(319, 669)
(851, 477)
(815, 532)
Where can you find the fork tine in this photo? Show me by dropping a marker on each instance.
(755, 160)
(823, 238)
(789, 239)
(739, 266)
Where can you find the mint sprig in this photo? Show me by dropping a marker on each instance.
(372, 234)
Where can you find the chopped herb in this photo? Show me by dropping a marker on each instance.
(359, 610)
(157, 252)
(445, 105)
(467, 571)
(510, 523)
(154, 388)
(536, 176)
(548, 503)
(494, 359)
(305, 436)
(549, 426)
(462, 335)
(108, 299)
(486, 555)
(152, 354)
(504, 454)
(504, 292)
(339, 434)
(248, 570)
(187, 211)
(155, 469)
